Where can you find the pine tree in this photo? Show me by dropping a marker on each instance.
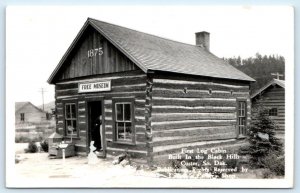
(262, 137)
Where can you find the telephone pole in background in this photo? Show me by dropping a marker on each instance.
(43, 91)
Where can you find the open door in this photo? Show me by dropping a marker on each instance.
(96, 126)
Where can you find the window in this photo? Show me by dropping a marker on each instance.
(70, 119)
(273, 112)
(48, 116)
(242, 117)
(22, 115)
(123, 120)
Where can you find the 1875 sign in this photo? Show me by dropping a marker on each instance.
(95, 52)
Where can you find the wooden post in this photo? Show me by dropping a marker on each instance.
(63, 156)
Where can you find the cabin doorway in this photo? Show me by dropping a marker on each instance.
(95, 119)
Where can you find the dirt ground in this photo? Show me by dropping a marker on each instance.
(38, 169)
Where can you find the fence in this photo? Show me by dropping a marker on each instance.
(33, 132)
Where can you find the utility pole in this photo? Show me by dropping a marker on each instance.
(277, 75)
(43, 91)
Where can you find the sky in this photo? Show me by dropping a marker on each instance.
(37, 37)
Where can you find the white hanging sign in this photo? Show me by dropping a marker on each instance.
(94, 87)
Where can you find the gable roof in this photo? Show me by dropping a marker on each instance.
(154, 53)
(20, 105)
(278, 82)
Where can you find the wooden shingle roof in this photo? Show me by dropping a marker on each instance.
(153, 53)
(20, 105)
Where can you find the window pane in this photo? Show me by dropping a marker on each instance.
(127, 112)
(242, 109)
(119, 112)
(73, 106)
(242, 121)
(120, 130)
(128, 131)
(273, 112)
(74, 126)
(68, 115)
(69, 126)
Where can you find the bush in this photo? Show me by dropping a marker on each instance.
(275, 163)
(262, 138)
(25, 139)
(32, 147)
(45, 145)
(22, 139)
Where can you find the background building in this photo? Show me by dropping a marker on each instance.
(26, 112)
(272, 96)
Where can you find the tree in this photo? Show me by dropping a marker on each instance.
(259, 67)
(262, 138)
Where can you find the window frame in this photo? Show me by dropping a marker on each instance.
(238, 116)
(75, 135)
(130, 101)
(271, 112)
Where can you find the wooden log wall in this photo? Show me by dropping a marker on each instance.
(273, 97)
(124, 84)
(187, 111)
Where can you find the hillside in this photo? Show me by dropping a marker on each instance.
(48, 106)
(260, 68)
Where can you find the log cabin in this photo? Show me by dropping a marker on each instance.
(153, 95)
(272, 97)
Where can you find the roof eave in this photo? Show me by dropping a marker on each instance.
(265, 87)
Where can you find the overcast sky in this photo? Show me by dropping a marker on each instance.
(37, 37)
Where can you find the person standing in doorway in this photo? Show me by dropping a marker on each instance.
(96, 133)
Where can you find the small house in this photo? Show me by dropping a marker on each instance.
(272, 97)
(146, 95)
(27, 113)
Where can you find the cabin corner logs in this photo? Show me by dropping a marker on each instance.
(146, 113)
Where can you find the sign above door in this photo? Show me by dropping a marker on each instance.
(94, 87)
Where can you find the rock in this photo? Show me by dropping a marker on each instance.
(162, 174)
(121, 157)
(263, 136)
(115, 162)
(138, 167)
(124, 162)
(18, 158)
(118, 159)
